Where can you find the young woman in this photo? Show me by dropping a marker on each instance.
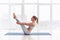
(27, 31)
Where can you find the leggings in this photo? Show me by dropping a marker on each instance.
(25, 30)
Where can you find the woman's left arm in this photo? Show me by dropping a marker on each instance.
(24, 23)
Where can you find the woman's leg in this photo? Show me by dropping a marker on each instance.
(25, 30)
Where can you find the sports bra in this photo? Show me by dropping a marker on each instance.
(31, 27)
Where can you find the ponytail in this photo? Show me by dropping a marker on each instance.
(37, 20)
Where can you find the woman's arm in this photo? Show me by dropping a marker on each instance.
(24, 23)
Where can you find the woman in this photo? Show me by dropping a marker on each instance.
(31, 24)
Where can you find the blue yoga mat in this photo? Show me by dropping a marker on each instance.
(30, 34)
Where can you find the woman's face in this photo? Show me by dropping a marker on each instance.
(32, 19)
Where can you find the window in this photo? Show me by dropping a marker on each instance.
(56, 12)
(16, 9)
(44, 13)
(4, 16)
(44, 18)
(30, 10)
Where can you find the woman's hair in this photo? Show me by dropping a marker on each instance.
(35, 18)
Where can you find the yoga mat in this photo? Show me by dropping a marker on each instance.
(30, 34)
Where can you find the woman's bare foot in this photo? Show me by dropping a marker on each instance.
(14, 16)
